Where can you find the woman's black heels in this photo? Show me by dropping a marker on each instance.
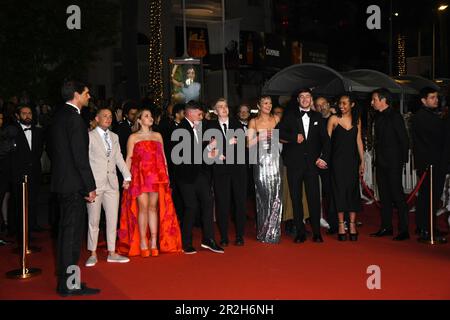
(353, 236)
(342, 236)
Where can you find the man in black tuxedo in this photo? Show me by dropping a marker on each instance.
(391, 153)
(429, 145)
(193, 176)
(306, 149)
(229, 172)
(25, 159)
(73, 181)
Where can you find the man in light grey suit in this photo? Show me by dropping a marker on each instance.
(104, 156)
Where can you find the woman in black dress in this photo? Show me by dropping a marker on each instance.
(347, 163)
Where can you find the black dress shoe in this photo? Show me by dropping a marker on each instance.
(83, 291)
(189, 250)
(224, 243)
(382, 233)
(425, 236)
(300, 238)
(401, 236)
(212, 245)
(317, 238)
(239, 241)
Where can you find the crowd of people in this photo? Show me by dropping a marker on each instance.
(158, 173)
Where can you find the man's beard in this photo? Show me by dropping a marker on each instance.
(26, 122)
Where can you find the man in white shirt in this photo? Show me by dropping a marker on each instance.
(104, 156)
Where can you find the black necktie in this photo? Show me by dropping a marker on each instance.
(224, 127)
(25, 129)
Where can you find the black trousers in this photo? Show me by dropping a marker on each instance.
(423, 200)
(227, 187)
(327, 199)
(390, 187)
(72, 224)
(197, 196)
(3, 189)
(310, 177)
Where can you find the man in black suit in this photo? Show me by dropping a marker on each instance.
(25, 159)
(429, 145)
(173, 123)
(391, 153)
(193, 176)
(229, 172)
(73, 181)
(306, 150)
(323, 106)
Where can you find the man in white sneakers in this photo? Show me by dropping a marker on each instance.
(104, 156)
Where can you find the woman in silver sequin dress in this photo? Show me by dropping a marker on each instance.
(264, 144)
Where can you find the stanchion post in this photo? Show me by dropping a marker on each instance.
(24, 272)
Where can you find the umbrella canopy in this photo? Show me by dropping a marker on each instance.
(416, 82)
(320, 78)
(326, 81)
(367, 80)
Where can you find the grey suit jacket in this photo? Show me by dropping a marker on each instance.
(103, 167)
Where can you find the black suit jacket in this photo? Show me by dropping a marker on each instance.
(168, 143)
(22, 160)
(221, 167)
(188, 172)
(391, 139)
(317, 145)
(446, 156)
(428, 134)
(71, 171)
(123, 130)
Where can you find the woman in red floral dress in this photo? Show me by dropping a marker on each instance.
(147, 208)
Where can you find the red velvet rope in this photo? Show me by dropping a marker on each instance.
(410, 197)
(416, 189)
(369, 192)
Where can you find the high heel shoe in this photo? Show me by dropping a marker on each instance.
(145, 253)
(342, 236)
(353, 236)
(155, 252)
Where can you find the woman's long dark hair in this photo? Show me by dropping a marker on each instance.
(355, 110)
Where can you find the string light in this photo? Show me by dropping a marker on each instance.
(155, 52)
(401, 58)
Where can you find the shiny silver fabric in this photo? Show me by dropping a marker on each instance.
(267, 176)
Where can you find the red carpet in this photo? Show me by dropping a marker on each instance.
(332, 270)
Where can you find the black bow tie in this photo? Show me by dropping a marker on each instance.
(302, 113)
(25, 129)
